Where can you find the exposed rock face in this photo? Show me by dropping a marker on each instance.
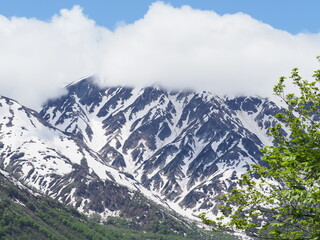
(185, 148)
(116, 151)
(60, 165)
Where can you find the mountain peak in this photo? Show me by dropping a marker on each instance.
(179, 146)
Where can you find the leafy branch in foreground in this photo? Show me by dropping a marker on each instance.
(282, 201)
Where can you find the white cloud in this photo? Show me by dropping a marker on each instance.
(173, 47)
(38, 58)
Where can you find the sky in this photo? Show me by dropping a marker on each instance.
(228, 47)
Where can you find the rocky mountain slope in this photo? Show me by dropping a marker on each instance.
(63, 167)
(27, 214)
(182, 149)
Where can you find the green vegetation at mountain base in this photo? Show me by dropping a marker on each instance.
(282, 200)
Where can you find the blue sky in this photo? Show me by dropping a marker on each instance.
(293, 16)
(229, 47)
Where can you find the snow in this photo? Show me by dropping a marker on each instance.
(249, 123)
(50, 151)
(99, 138)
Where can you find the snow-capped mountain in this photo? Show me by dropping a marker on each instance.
(180, 148)
(59, 165)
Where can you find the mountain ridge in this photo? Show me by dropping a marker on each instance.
(178, 145)
(129, 152)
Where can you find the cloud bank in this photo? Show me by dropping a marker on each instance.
(172, 47)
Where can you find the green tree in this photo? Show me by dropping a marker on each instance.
(282, 200)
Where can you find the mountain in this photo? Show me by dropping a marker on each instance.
(45, 160)
(181, 149)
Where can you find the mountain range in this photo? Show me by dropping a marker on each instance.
(130, 152)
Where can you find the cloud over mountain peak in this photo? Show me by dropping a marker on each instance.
(173, 47)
